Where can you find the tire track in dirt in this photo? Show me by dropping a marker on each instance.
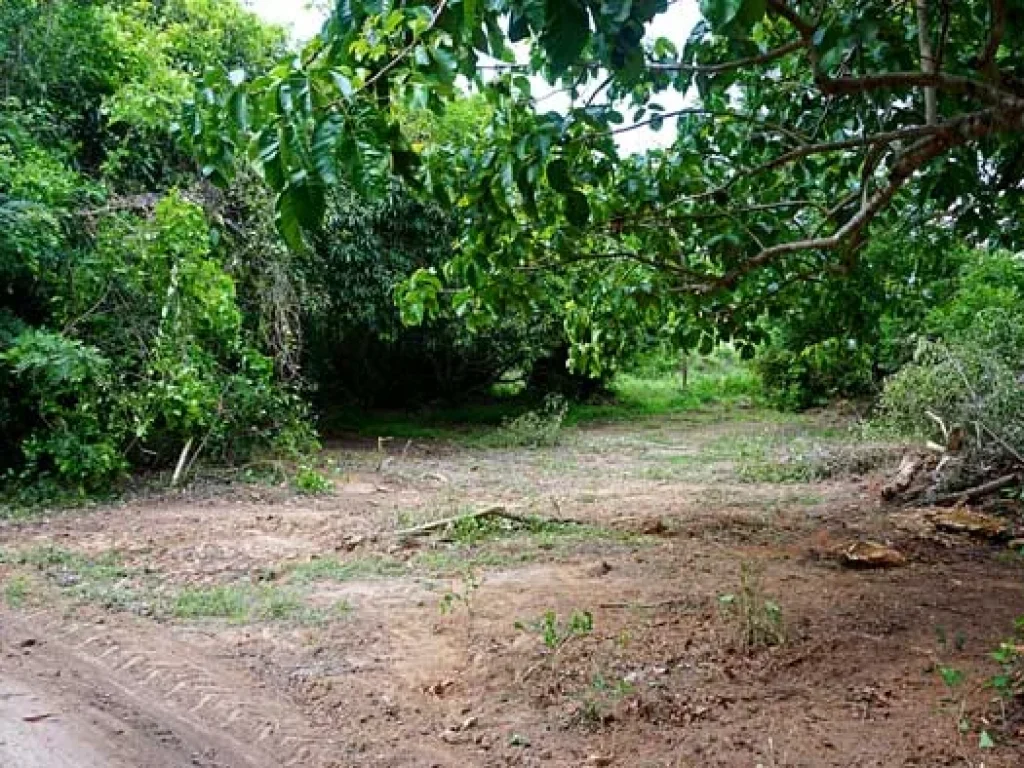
(204, 700)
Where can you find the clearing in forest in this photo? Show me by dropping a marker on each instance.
(669, 592)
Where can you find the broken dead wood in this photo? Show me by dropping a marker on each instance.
(495, 511)
(908, 469)
(978, 491)
(687, 602)
(871, 554)
(181, 463)
(967, 521)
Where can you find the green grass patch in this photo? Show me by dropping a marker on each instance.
(245, 603)
(16, 591)
(57, 562)
(455, 560)
(632, 396)
(637, 397)
(333, 569)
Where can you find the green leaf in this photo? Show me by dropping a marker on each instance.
(300, 207)
(985, 741)
(566, 33)
(732, 17)
(238, 107)
(577, 208)
(325, 143)
(287, 220)
(558, 176)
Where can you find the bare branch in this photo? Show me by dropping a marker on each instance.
(997, 27)
(726, 66)
(912, 160)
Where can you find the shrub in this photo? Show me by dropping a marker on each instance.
(357, 349)
(167, 362)
(795, 380)
(972, 383)
(534, 429)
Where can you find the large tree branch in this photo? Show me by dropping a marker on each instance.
(872, 140)
(997, 27)
(798, 22)
(966, 86)
(912, 160)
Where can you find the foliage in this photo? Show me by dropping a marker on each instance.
(463, 595)
(122, 337)
(555, 632)
(816, 374)
(812, 128)
(311, 482)
(968, 381)
(357, 350)
(536, 428)
(840, 335)
(1008, 683)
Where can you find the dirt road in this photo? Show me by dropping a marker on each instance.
(692, 615)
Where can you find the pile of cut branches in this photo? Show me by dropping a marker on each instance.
(964, 402)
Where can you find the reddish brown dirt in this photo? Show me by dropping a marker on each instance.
(662, 679)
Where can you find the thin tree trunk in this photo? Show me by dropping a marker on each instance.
(931, 107)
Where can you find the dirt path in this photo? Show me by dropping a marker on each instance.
(250, 627)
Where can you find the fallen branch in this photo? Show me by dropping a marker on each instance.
(979, 490)
(495, 511)
(181, 463)
(688, 602)
(909, 467)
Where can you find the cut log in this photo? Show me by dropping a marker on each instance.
(962, 520)
(908, 469)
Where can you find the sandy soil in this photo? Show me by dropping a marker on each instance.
(336, 651)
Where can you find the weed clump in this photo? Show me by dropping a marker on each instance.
(540, 428)
(757, 618)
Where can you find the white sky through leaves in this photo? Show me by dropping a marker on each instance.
(304, 21)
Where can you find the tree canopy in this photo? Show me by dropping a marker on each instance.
(806, 125)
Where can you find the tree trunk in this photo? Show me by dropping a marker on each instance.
(931, 107)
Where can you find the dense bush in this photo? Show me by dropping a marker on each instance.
(969, 378)
(357, 350)
(121, 335)
(149, 354)
(840, 335)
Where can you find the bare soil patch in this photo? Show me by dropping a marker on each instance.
(249, 626)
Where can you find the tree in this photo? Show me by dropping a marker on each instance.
(810, 124)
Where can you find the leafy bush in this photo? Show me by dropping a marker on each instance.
(167, 361)
(534, 429)
(970, 381)
(838, 336)
(77, 435)
(816, 374)
(312, 482)
(357, 348)
(972, 385)
(122, 337)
